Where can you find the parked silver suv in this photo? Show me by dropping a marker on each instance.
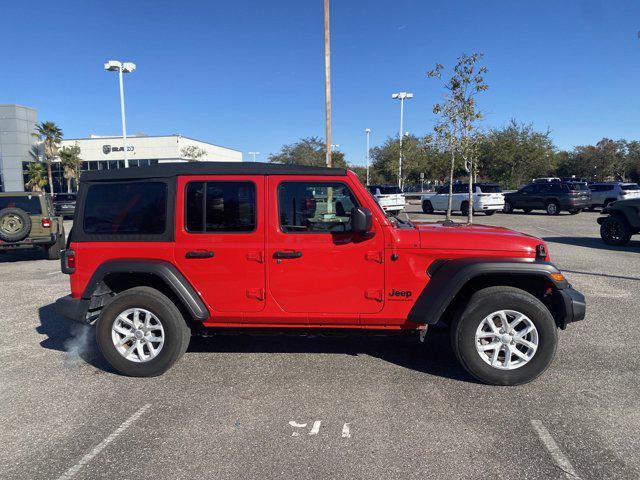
(602, 194)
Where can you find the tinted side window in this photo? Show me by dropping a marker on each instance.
(555, 188)
(30, 204)
(443, 190)
(529, 189)
(126, 209)
(220, 207)
(317, 207)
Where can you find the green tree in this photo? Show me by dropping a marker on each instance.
(516, 153)
(36, 177)
(193, 153)
(71, 163)
(50, 135)
(457, 116)
(307, 151)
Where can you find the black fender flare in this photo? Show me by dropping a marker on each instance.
(447, 277)
(165, 271)
(626, 211)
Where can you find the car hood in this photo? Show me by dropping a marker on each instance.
(482, 238)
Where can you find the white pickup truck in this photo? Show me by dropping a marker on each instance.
(488, 198)
(390, 198)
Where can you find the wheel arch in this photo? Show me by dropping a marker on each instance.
(115, 276)
(453, 282)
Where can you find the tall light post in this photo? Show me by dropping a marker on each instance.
(368, 132)
(126, 67)
(253, 154)
(401, 96)
(327, 81)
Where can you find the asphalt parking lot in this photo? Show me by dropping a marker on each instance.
(372, 407)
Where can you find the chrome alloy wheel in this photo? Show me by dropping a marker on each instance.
(137, 335)
(506, 340)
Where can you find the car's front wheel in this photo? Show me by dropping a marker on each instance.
(615, 231)
(141, 332)
(552, 208)
(427, 207)
(504, 336)
(508, 207)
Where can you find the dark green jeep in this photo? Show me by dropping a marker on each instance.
(27, 220)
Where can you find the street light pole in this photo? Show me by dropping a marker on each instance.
(401, 96)
(127, 67)
(368, 132)
(254, 155)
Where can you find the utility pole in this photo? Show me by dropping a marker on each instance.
(327, 80)
(368, 132)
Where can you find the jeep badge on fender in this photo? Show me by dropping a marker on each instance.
(160, 252)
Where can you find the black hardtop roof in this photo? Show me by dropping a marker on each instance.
(164, 170)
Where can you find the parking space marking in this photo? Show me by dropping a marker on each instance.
(316, 428)
(346, 433)
(560, 233)
(101, 446)
(558, 457)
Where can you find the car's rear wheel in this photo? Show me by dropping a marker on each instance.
(575, 211)
(141, 332)
(488, 213)
(464, 208)
(504, 336)
(427, 207)
(508, 207)
(53, 251)
(615, 231)
(552, 208)
(527, 210)
(15, 224)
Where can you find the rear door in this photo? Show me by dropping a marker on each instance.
(316, 265)
(220, 240)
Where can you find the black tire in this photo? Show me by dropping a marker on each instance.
(488, 213)
(508, 207)
(552, 208)
(427, 207)
(527, 210)
(464, 208)
(575, 211)
(615, 231)
(15, 224)
(176, 331)
(481, 305)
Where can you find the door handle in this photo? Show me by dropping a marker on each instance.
(199, 254)
(287, 254)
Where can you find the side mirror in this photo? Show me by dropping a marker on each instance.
(361, 220)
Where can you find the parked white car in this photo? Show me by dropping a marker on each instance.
(389, 197)
(488, 198)
(602, 194)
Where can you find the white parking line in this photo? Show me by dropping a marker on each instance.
(101, 446)
(558, 457)
(559, 233)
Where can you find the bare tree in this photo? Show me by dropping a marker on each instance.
(193, 153)
(458, 116)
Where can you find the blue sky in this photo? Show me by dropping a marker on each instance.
(249, 74)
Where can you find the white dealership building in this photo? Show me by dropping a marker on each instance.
(106, 153)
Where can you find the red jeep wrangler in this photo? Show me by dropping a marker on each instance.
(158, 251)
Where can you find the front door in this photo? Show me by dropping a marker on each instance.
(220, 241)
(316, 264)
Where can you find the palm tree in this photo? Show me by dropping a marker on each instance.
(71, 162)
(37, 177)
(50, 135)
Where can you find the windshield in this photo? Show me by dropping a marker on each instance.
(630, 186)
(395, 220)
(490, 188)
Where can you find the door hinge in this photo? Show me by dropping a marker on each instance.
(373, 294)
(257, 293)
(255, 256)
(374, 256)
